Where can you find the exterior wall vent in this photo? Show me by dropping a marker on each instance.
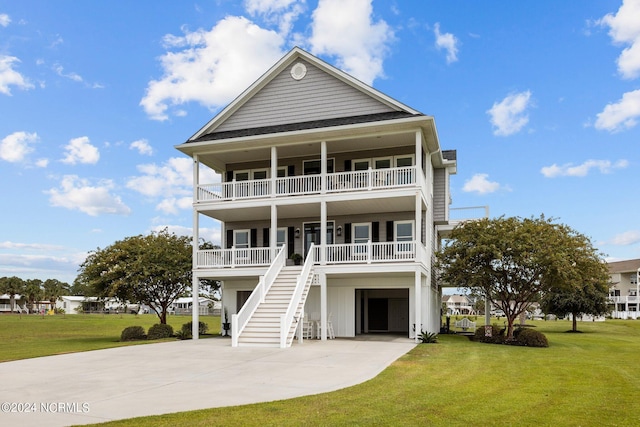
(298, 71)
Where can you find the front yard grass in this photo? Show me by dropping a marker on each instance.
(585, 379)
(32, 335)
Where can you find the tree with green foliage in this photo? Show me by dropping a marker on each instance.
(12, 286)
(514, 262)
(53, 289)
(588, 298)
(152, 269)
(33, 293)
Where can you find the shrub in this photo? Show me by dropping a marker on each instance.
(530, 338)
(133, 333)
(183, 335)
(497, 335)
(428, 337)
(202, 328)
(159, 331)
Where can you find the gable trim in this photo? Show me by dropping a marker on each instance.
(293, 55)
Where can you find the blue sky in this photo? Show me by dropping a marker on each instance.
(540, 98)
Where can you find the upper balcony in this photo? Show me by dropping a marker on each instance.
(339, 182)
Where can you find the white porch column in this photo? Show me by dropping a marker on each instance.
(195, 281)
(419, 224)
(323, 232)
(273, 232)
(196, 177)
(419, 151)
(323, 167)
(429, 303)
(323, 306)
(418, 304)
(274, 170)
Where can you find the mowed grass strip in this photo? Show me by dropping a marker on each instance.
(586, 379)
(28, 336)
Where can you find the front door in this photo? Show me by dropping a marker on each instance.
(312, 234)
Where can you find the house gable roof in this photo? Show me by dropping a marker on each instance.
(628, 266)
(301, 92)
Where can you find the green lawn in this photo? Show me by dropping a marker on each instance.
(585, 379)
(27, 336)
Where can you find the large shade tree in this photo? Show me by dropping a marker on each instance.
(514, 262)
(152, 269)
(587, 298)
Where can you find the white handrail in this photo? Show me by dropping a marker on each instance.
(239, 321)
(303, 281)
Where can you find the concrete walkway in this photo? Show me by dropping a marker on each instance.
(126, 382)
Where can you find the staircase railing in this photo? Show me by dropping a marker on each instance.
(286, 320)
(239, 321)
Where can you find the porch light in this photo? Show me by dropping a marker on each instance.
(339, 230)
(297, 233)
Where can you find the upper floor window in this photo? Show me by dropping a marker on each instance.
(313, 167)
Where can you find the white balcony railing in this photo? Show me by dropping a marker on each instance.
(346, 253)
(230, 258)
(623, 299)
(371, 179)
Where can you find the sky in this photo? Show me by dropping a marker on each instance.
(541, 100)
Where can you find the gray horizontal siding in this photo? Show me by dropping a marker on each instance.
(318, 96)
(440, 195)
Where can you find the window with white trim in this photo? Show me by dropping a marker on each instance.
(404, 233)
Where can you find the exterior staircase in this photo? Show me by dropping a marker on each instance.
(263, 328)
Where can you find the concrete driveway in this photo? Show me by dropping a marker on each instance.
(126, 382)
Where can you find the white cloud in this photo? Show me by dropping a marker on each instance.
(171, 182)
(509, 115)
(280, 12)
(4, 20)
(33, 246)
(624, 28)
(625, 239)
(80, 150)
(212, 67)
(448, 42)
(568, 169)
(345, 29)
(75, 193)
(59, 70)
(143, 147)
(10, 77)
(209, 234)
(173, 205)
(71, 76)
(15, 147)
(480, 184)
(620, 115)
(42, 163)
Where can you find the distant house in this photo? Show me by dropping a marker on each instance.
(184, 305)
(18, 305)
(457, 304)
(74, 304)
(623, 291)
(321, 169)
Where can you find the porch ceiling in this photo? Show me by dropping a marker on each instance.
(250, 151)
(295, 207)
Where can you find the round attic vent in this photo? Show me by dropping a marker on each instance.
(298, 71)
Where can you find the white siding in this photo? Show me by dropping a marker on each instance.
(318, 96)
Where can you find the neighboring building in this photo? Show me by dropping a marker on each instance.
(19, 305)
(74, 304)
(457, 304)
(316, 163)
(206, 306)
(623, 292)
